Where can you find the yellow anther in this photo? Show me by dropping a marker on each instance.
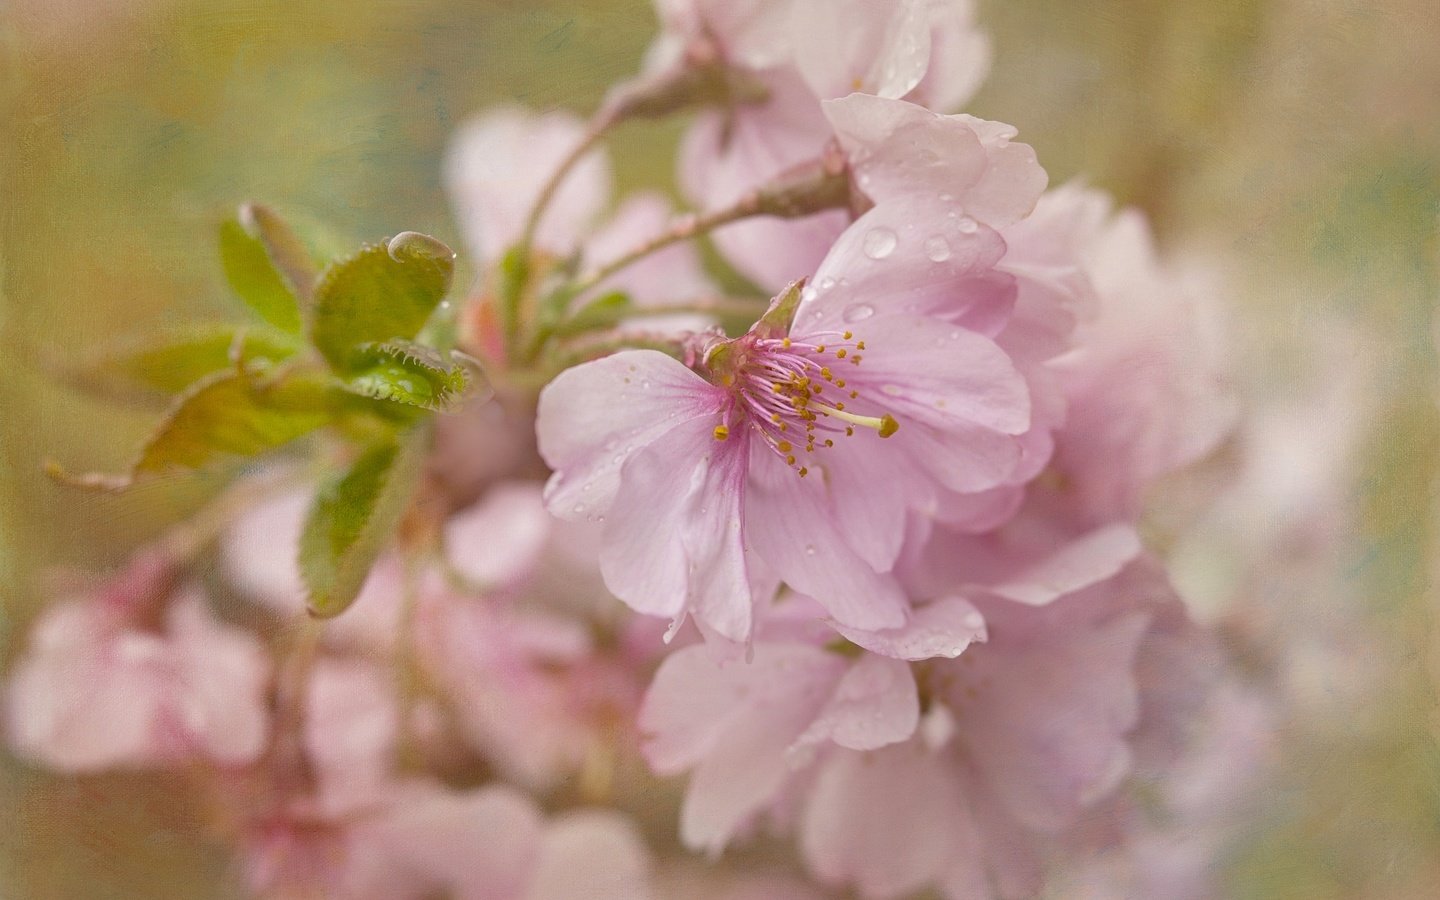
(840, 354)
(789, 460)
(855, 359)
(840, 382)
(820, 349)
(888, 425)
(848, 335)
(849, 431)
(784, 446)
(840, 406)
(854, 394)
(804, 471)
(785, 342)
(859, 345)
(721, 432)
(775, 417)
(829, 443)
(825, 373)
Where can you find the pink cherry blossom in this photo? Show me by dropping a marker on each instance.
(700, 474)
(100, 686)
(1144, 386)
(1023, 737)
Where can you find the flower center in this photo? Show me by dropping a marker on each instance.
(789, 393)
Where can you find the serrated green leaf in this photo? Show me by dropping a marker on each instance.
(352, 519)
(168, 363)
(383, 293)
(412, 374)
(254, 277)
(228, 415)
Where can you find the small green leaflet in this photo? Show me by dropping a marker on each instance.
(382, 293)
(226, 416)
(353, 518)
(413, 374)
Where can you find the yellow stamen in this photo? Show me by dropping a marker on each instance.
(721, 432)
(840, 354)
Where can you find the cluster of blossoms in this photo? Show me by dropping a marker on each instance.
(880, 586)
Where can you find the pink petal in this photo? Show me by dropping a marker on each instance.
(594, 416)
(221, 683)
(1046, 714)
(791, 523)
(874, 704)
(674, 538)
(890, 822)
(921, 370)
(732, 722)
(910, 256)
(854, 45)
(959, 57)
(351, 728)
(941, 628)
(1085, 561)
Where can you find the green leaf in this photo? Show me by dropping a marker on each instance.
(228, 415)
(412, 374)
(255, 278)
(354, 517)
(286, 251)
(383, 293)
(170, 362)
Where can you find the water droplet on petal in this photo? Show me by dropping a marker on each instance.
(967, 225)
(879, 243)
(937, 248)
(809, 549)
(579, 508)
(858, 313)
(827, 283)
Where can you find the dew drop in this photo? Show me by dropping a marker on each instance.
(937, 248)
(858, 313)
(809, 549)
(444, 304)
(579, 508)
(879, 243)
(827, 283)
(967, 225)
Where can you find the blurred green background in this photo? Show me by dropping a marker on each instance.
(1297, 143)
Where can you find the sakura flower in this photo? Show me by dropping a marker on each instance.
(1020, 738)
(1145, 385)
(101, 685)
(922, 51)
(700, 474)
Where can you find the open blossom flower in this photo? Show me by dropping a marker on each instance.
(927, 53)
(1021, 737)
(796, 450)
(101, 687)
